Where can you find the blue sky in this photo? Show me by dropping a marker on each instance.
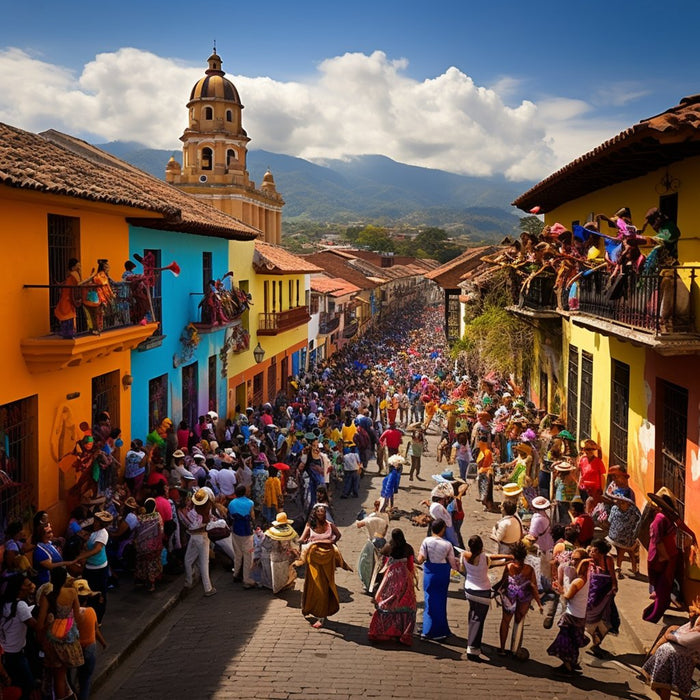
(502, 87)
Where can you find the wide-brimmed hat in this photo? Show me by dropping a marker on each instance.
(512, 490)
(443, 490)
(396, 460)
(83, 587)
(483, 415)
(310, 436)
(523, 447)
(589, 444)
(281, 466)
(540, 503)
(563, 466)
(104, 516)
(565, 434)
(664, 500)
(131, 503)
(200, 498)
(199, 455)
(178, 454)
(617, 470)
(281, 532)
(558, 421)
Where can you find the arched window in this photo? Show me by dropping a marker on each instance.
(229, 115)
(230, 157)
(207, 158)
(208, 113)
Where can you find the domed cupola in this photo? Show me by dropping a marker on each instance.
(213, 85)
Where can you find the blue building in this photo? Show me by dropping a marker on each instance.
(180, 372)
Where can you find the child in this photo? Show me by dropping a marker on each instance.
(272, 496)
(390, 483)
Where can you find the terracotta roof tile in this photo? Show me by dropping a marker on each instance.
(449, 274)
(336, 265)
(651, 144)
(59, 164)
(274, 260)
(334, 286)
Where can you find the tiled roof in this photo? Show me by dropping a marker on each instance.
(449, 275)
(334, 286)
(651, 144)
(339, 266)
(274, 260)
(59, 164)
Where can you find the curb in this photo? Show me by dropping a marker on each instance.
(103, 675)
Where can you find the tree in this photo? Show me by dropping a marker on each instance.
(531, 224)
(375, 238)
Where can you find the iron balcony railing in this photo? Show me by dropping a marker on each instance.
(130, 306)
(538, 293)
(328, 323)
(275, 322)
(660, 302)
(350, 328)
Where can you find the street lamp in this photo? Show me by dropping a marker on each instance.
(258, 353)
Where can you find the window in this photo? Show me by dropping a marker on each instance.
(272, 380)
(208, 113)
(207, 159)
(313, 304)
(619, 412)
(258, 389)
(207, 271)
(157, 400)
(229, 115)
(213, 384)
(63, 244)
(274, 297)
(674, 431)
(230, 158)
(19, 459)
(190, 393)
(266, 297)
(572, 391)
(245, 318)
(586, 405)
(289, 293)
(105, 395)
(297, 292)
(279, 288)
(544, 390)
(156, 290)
(668, 204)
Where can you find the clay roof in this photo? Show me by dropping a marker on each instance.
(449, 275)
(340, 266)
(56, 163)
(651, 144)
(334, 286)
(274, 260)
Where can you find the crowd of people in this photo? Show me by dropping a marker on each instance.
(257, 488)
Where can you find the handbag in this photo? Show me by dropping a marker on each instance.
(218, 530)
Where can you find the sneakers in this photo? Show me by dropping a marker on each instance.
(210, 592)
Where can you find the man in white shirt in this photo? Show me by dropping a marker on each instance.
(509, 529)
(351, 469)
(226, 480)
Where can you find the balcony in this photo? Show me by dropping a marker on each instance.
(350, 328)
(656, 310)
(328, 323)
(126, 324)
(279, 321)
(537, 301)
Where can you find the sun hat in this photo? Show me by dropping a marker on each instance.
(523, 447)
(281, 466)
(310, 436)
(104, 516)
(199, 456)
(178, 454)
(563, 466)
(664, 500)
(443, 490)
(512, 490)
(565, 434)
(200, 498)
(83, 587)
(540, 503)
(589, 444)
(618, 470)
(131, 503)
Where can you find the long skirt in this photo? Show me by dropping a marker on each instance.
(436, 581)
(320, 597)
(599, 608)
(395, 602)
(672, 667)
(485, 483)
(570, 639)
(661, 576)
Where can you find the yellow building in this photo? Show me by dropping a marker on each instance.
(215, 153)
(623, 365)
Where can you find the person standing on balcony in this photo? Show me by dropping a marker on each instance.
(98, 296)
(666, 238)
(67, 308)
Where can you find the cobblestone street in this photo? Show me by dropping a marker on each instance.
(251, 644)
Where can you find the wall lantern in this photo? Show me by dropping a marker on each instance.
(127, 381)
(258, 353)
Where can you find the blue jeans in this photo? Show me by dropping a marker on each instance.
(86, 670)
(351, 483)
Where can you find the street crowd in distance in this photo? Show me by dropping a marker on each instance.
(257, 489)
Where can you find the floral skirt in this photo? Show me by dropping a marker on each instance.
(570, 639)
(671, 667)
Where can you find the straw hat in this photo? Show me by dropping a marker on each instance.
(83, 587)
(200, 498)
(589, 444)
(443, 490)
(281, 528)
(104, 517)
(524, 447)
(563, 466)
(178, 454)
(665, 500)
(540, 503)
(512, 490)
(617, 470)
(131, 503)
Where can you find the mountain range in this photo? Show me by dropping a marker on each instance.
(369, 189)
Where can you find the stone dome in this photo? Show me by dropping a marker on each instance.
(213, 85)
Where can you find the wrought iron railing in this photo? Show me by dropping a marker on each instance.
(661, 302)
(538, 293)
(350, 328)
(328, 323)
(130, 306)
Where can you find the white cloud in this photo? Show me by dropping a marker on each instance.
(355, 104)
